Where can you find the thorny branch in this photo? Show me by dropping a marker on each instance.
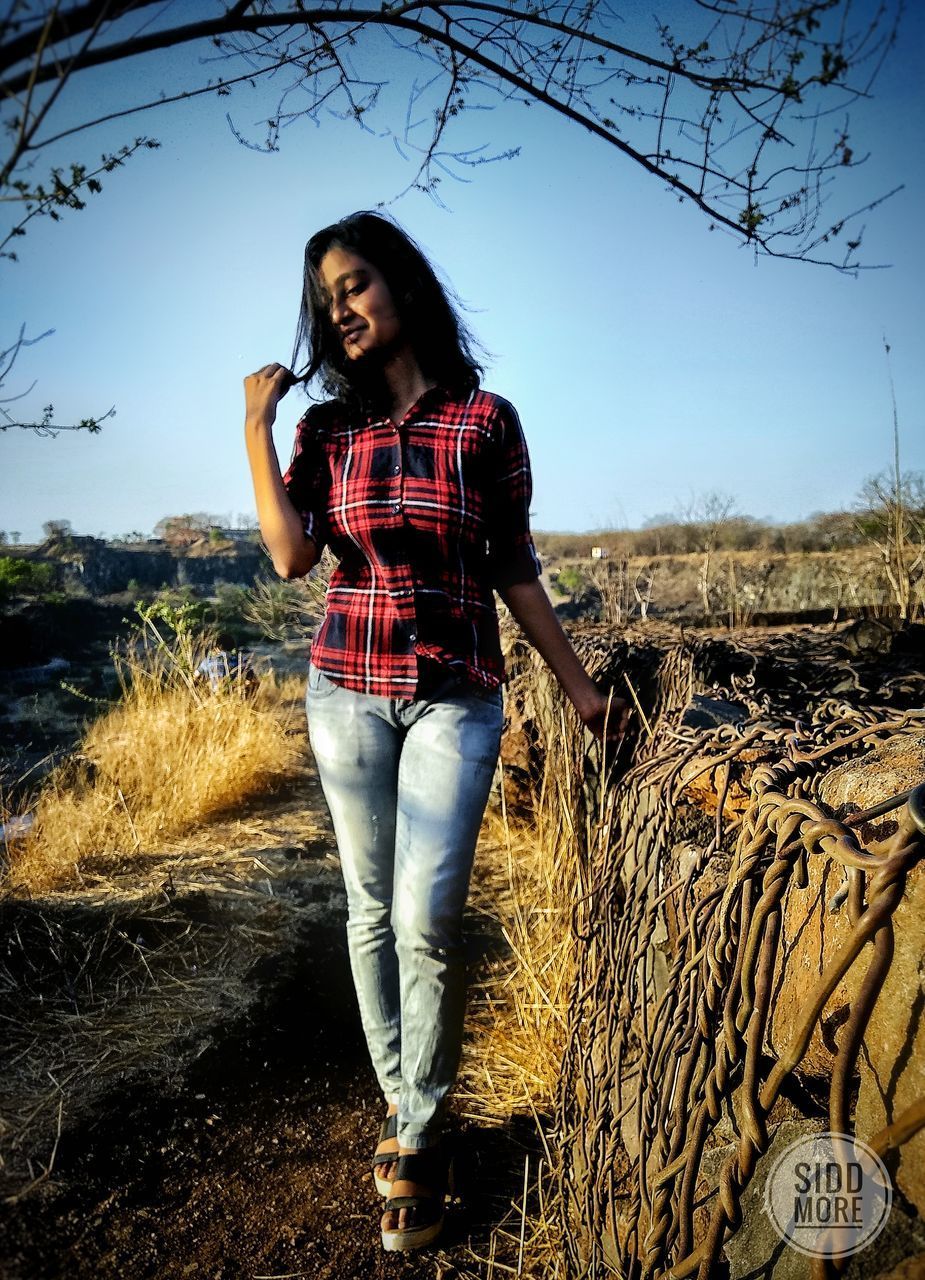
(704, 103)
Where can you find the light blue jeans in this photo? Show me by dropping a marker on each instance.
(407, 783)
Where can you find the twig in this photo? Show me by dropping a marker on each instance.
(523, 1217)
(644, 718)
(24, 1191)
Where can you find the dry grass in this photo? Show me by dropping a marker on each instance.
(119, 963)
(136, 975)
(168, 756)
(529, 875)
(522, 1022)
(738, 584)
(171, 758)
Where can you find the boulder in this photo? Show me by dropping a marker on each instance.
(911, 1269)
(757, 1243)
(815, 924)
(703, 712)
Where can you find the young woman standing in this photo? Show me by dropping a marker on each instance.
(419, 480)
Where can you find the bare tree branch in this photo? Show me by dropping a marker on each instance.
(46, 426)
(703, 108)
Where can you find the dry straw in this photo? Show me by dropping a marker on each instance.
(530, 873)
(168, 756)
(119, 963)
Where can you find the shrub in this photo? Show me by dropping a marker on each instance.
(228, 612)
(24, 578)
(281, 609)
(570, 581)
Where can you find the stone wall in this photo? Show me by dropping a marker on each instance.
(102, 569)
(714, 919)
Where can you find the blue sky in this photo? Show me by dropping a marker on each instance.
(650, 359)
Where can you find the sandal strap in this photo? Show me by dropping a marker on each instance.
(389, 1127)
(415, 1202)
(389, 1130)
(427, 1166)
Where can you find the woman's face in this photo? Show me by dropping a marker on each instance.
(359, 303)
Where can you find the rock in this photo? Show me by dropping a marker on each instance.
(102, 568)
(756, 1241)
(894, 766)
(31, 677)
(898, 1253)
(704, 782)
(892, 1060)
(892, 1064)
(708, 713)
(867, 636)
(911, 1269)
(810, 935)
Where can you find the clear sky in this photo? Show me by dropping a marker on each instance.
(650, 359)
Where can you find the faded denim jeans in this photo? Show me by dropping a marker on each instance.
(406, 783)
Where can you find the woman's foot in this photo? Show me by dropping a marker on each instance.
(421, 1179)
(384, 1172)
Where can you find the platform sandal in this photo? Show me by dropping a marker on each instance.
(389, 1130)
(431, 1167)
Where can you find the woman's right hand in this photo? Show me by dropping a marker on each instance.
(263, 391)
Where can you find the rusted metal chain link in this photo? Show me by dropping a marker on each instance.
(668, 1054)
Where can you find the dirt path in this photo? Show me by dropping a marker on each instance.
(255, 1167)
(253, 1163)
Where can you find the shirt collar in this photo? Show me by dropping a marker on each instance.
(430, 395)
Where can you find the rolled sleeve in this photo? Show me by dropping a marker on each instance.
(512, 555)
(306, 481)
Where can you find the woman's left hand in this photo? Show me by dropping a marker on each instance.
(606, 717)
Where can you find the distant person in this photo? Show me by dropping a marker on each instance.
(419, 480)
(226, 670)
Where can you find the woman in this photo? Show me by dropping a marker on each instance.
(420, 482)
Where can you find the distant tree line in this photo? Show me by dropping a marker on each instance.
(709, 522)
(825, 531)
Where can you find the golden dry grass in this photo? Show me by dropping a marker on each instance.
(529, 876)
(170, 760)
(522, 1021)
(168, 756)
(175, 778)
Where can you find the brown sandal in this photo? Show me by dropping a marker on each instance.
(389, 1130)
(431, 1167)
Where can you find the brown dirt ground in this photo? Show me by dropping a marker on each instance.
(255, 1167)
(252, 1161)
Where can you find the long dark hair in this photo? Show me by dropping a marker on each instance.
(442, 344)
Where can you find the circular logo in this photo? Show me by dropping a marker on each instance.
(828, 1195)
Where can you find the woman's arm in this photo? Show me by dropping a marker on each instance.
(293, 553)
(531, 608)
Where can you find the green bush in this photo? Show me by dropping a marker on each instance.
(570, 581)
(24, 578)
(184, 599)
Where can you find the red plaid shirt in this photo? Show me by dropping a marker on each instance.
(426, 519)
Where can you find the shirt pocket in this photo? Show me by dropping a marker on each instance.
(445, 482)
(364, 494)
